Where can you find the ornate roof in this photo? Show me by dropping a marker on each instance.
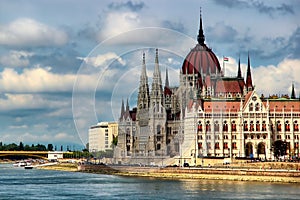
(201, 59)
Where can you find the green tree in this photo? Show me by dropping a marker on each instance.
(21, 146)
(50, 147)
(115, 141)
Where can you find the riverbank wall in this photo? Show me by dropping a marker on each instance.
(265, 175)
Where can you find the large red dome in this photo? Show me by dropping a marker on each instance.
(201, 59)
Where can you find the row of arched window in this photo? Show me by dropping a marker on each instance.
(247, 126)
(217, 145)
(287, 126)
(252, 107)
(217, 126)
(255, 127)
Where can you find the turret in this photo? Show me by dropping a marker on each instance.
(239, 74)
(293, 95)
(249, 78)
(201, 37)
(122, 110)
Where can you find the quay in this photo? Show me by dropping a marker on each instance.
(213, 173)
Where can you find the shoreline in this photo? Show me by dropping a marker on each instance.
(230, 174)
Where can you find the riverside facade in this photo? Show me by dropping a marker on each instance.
(207, 115)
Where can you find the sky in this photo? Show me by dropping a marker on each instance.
(67, 64)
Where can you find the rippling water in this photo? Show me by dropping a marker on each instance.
(18, 183)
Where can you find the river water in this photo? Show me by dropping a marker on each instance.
(18, 183)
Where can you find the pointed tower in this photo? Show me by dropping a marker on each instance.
(167, 79)
(122, 110)
(201, 37)
(157, 113)
(127, 113)
(249, 78)
(156, 97)
(143, 97)
(293, 95)
(239, 74)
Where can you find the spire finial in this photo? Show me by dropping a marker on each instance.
(293, 95)
(239, 75)
(167, 78)
(249, 78)
(201, 37)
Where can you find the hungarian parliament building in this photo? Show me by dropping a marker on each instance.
(208, 115)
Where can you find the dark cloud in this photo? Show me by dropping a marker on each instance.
(129, 5)
(222, 33)
(283, 8)
(61, 60)
(294, 44)
(177, 26)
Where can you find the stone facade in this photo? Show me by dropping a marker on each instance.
(208, 115)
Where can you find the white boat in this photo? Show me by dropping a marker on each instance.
(19, 164)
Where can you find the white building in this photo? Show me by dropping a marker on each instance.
(54, 155)
(101, 136)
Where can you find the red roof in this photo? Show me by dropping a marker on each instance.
(201, 59)
(229, 85)
(167, 91)
(287, 105)
(218, 106)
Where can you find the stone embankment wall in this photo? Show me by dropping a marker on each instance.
(269, 175)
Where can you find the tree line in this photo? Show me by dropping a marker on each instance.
(25, 147)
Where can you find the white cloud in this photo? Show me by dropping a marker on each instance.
(271, 79)
(27, 101)
(28, 32)
(42, 80)
(102, 59)
(119, 22)
(278, 79)
(39, 138)
(16, 59)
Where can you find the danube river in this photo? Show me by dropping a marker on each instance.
(18, 183)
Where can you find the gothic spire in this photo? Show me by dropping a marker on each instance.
(201, 37)
(122, 109)
(143, 94)
(156, 72)
(293, 96)
(144, 77)
(127, 106)
(249, 78)
(167, 78)
(156, 97)
(239, 74)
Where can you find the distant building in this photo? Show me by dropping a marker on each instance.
(101, 136)
(54, 155)
(208, 115)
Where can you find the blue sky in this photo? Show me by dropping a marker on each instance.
(66, 64)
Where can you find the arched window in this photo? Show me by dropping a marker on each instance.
(233, 126)
(278, 126)
(245, 126)
(216, 126)
(296, 127)
(234, 145)
(257, 107)
(225, 126)
(207, 126)
(217, 145)
(287, 126)
(257, 126)
(158, 129)
(251, 107)
(264, 126)
(251, 126)
(199, 126)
